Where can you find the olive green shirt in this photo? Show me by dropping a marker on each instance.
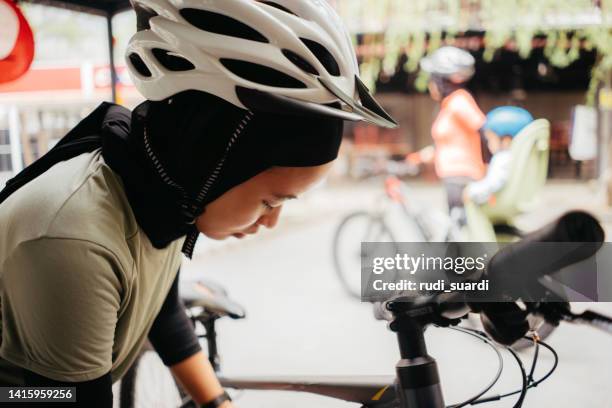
(80, 282)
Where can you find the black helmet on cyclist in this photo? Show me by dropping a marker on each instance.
(450, 63)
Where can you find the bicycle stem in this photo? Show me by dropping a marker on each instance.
(418, 381)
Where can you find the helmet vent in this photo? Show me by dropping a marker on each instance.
(300, 62)
(261, 74)
(139, 65)
(221, 24)
(278, 6)
(172, 61)
(324, 56)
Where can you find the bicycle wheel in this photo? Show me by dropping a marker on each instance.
(352, 231)
(149, 383)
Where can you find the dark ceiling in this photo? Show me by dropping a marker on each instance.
(103, 7)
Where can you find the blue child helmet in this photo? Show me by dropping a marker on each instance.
(507, 120)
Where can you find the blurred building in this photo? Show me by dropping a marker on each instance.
(539, 55)
(71, 75)
(39, 108)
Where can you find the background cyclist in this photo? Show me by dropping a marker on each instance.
(457, 152)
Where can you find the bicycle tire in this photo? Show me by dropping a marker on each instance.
(349, 274)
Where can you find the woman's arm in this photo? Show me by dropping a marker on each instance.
(499, 172)
(198, 378)
(174, 339)
(172, 334)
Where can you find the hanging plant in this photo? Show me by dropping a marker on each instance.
(416, 28)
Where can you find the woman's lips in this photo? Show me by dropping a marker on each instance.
(239, 235)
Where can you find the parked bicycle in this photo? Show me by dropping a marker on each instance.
(419, 219)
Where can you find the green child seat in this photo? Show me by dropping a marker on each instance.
(530, 154)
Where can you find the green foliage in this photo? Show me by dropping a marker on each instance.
(404, 25)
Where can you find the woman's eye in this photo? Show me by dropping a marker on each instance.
(267, 205)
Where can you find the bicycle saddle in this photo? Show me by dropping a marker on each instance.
(210, 296)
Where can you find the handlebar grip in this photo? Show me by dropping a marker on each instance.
(596, 320)
(573, 238)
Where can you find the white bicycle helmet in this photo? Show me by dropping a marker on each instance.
(284, 55)
(451, 63)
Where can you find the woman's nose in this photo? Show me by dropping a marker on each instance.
(271, 219)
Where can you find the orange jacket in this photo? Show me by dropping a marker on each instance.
(457, 139)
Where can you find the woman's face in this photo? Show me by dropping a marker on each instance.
(257, 202)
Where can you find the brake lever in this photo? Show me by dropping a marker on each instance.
(592, 319)
(555, 313)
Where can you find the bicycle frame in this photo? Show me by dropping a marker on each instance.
(371, 392)
(417, 382)
(400, 193)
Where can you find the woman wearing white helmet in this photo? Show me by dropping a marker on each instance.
(290, 56)
(456, 130)
(244, 111)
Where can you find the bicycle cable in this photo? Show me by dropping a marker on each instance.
(536, 354)
(530, 382)
(524, 387)
(482, 336)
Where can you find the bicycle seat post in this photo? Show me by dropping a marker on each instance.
(418, 381)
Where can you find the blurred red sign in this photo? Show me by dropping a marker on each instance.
(16, 42)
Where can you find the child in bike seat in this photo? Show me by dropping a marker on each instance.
(503, 124)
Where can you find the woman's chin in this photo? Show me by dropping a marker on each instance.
(218, 236)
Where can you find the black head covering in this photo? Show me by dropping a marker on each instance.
(197, 147)
(192, 131)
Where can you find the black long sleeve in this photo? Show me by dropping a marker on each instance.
(172, 334)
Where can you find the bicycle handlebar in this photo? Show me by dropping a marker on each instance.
(590, 318)
(581, 234)
(574, 237)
